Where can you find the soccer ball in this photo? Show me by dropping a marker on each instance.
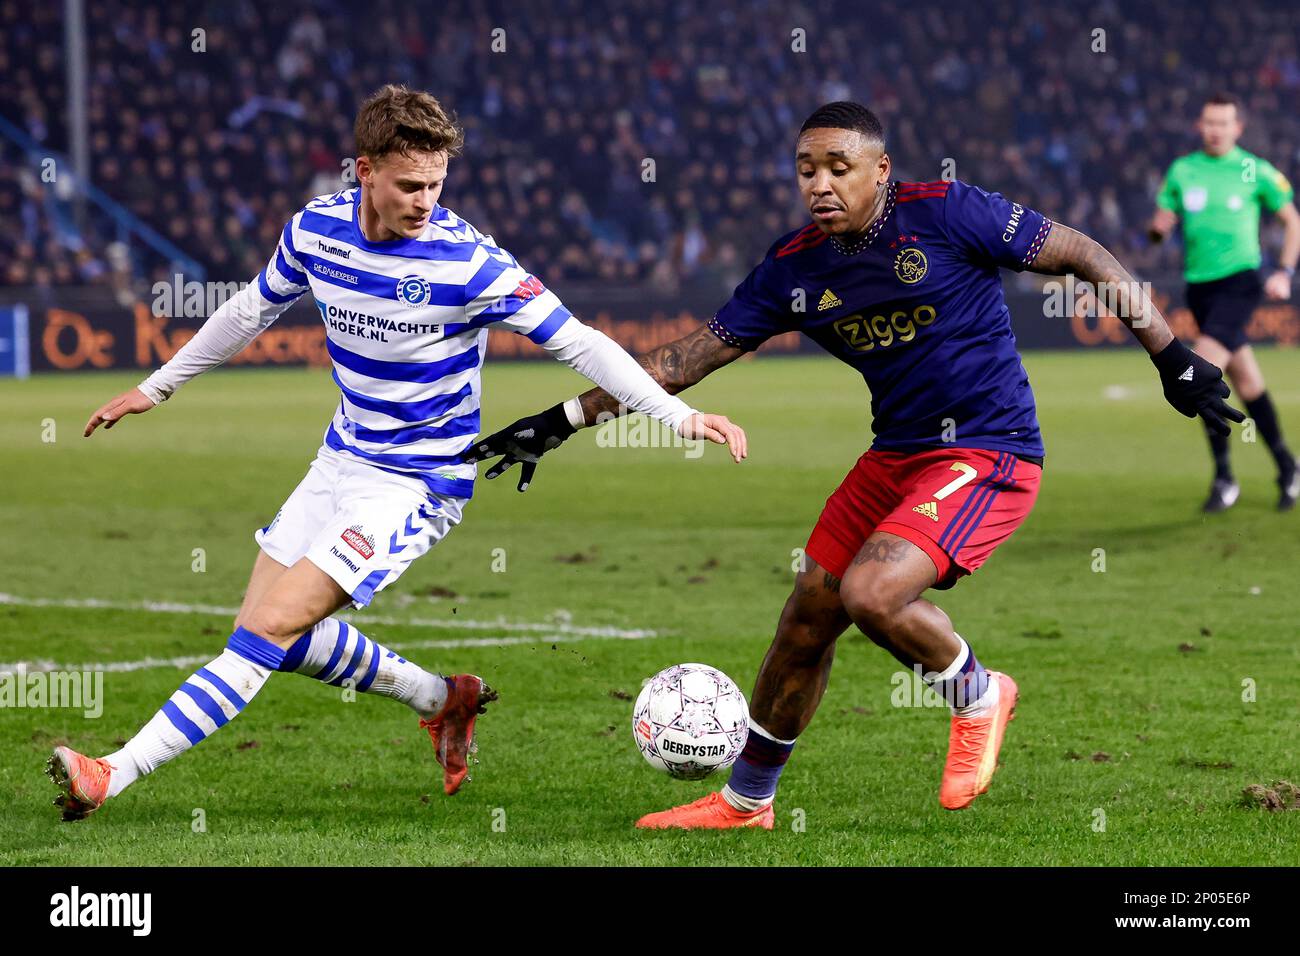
(690, 720)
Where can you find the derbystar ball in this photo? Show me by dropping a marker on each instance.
(690, 720)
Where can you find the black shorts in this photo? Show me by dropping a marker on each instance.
(1222, 308)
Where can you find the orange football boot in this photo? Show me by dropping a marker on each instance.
(452, 731)
(973, 745)
(707, 813)
(83, 780)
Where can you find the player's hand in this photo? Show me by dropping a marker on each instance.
(1196, 387)
(1278, 285)
(718, 429)
(131, 402)
(523, 441)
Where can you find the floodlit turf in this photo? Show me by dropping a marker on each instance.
(1132, 743)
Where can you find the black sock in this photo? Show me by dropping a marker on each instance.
(1219, 448)
(1265, 416)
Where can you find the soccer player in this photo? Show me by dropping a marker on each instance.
(408, 292)
(1217, 192)
(901, 282)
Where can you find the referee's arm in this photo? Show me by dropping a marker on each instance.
(1278, 285)
(1162, 224)
(1167, 206)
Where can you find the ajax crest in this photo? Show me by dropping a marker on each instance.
(910, 265)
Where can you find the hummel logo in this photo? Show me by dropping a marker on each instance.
(1186, 376)
(929, 509)
(829, 301)
(334, 250)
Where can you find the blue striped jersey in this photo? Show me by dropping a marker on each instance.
(406, 325)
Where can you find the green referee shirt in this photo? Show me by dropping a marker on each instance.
(1218, 200)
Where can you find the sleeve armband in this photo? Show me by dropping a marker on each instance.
(1036, 246)
(726, 335)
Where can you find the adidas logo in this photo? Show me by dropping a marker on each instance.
(929, 509)
(829, 301)
(1186, 376)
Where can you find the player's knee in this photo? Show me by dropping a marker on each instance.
(872, 604)
(276, 624)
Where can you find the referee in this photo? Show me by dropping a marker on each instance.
(1217, 191)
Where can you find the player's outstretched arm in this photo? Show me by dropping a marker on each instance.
(131, 402)
(1192, 385)
(675, 366)
(226, 333)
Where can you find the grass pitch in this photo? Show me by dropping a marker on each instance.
(1153, 692)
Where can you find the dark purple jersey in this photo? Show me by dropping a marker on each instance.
(916, 306)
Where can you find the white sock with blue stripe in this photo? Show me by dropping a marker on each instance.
(335, 652)
(211, 697)
(332, 651)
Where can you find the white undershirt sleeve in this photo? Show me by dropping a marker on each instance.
(592, 353)
(237, 322)
(225, 334)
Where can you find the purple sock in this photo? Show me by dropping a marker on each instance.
(758, 768)
(964, 681)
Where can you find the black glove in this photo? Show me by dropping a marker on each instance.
(523, 441)
(1195, 387)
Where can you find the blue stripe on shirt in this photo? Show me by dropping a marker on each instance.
(340, 230)
(288, 272)
(487, 273)
(550, 325)
(287, 238)
(493, 313)
(456, 428)
(405, 411)
(422, 372)
(497, 309)
(271, 295)
(374, 284)
(391, 461)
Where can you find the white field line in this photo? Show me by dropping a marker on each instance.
(543, 632)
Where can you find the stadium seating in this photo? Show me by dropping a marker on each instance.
(215, 148)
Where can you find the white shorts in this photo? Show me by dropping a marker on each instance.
(361, 525)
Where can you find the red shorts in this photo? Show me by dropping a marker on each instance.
(955, 504)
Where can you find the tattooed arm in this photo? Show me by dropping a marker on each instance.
(1069, 251)
(676, 366)
(1191, 385)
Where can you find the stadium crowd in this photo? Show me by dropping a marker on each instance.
(214, 138)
